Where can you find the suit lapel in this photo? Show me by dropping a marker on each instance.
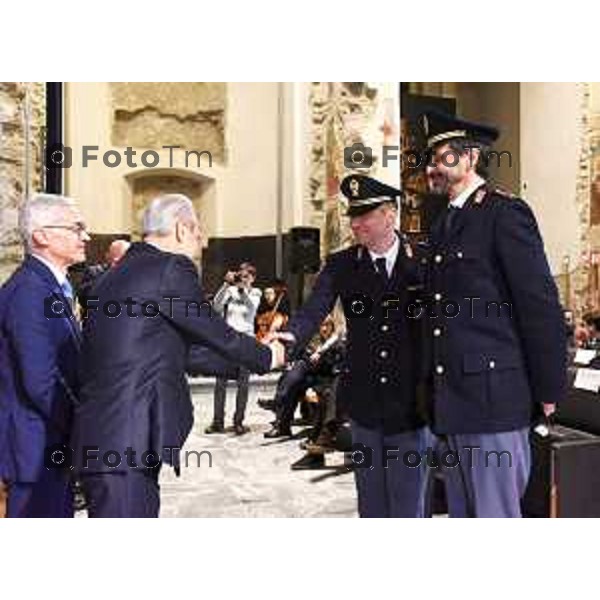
(56, 292)
(459, 220)
(368, 266)
(71, 320)
(399, 265)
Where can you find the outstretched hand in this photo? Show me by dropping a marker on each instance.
(281, 336)
(278, 359)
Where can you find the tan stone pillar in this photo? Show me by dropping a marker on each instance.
(3, 499)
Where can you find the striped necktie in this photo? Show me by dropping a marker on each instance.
(67, 290)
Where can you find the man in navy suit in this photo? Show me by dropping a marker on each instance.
(148, 327)
(39, 342)
(494, 325)
(373, 280)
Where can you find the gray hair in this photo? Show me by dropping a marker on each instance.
(163, 212)
(40, 210)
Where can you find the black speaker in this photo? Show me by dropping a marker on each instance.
(565, 475)
(304, 254)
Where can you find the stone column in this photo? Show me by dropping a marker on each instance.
(22, 119)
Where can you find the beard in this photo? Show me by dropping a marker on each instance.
(438, 184)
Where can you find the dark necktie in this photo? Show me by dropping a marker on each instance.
(380, 265)
(451, 214)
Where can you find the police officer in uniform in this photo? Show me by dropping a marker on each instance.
(373, 279)
(494, 326)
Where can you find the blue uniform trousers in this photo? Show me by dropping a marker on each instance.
(492, 476)
(397, 490)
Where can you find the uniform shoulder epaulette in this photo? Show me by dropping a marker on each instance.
(506, 194)
(480, 196)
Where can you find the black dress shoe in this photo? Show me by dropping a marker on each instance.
(214, 428)
(240, 429)
(266, 404)
(276, 432)
(309, 461)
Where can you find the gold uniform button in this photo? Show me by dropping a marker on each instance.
(439, 369)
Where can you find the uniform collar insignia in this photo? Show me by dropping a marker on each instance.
(480, 194)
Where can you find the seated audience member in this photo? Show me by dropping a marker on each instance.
(317, 368)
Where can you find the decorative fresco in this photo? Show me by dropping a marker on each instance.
(345, 114)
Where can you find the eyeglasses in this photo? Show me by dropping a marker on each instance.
(78, 229)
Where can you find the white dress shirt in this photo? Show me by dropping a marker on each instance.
(390, 256)
(59, 275)
(460, 200)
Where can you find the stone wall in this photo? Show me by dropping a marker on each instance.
(152, 115)
(22, 127)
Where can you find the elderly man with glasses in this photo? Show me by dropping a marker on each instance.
(39, 343)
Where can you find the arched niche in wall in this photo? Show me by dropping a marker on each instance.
(146, 185)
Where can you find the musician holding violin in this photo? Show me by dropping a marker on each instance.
(273, 312)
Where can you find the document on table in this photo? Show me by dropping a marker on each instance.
(587, 379)
(584, 357)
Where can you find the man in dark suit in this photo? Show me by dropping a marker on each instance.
(39, 342)
(494, 325)
(135, 408)
(372, 279)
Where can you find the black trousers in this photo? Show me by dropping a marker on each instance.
(241, 398)
(290, 389)
(133, 494)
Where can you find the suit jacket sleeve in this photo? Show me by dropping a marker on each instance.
(202, 360)
(535, 300)
(320, 303)
(34, 350)
(183, 304)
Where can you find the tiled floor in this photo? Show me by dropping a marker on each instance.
(250, 476)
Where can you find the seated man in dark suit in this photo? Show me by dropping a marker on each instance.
(39, 342)
(316, 367)
(135, 401)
